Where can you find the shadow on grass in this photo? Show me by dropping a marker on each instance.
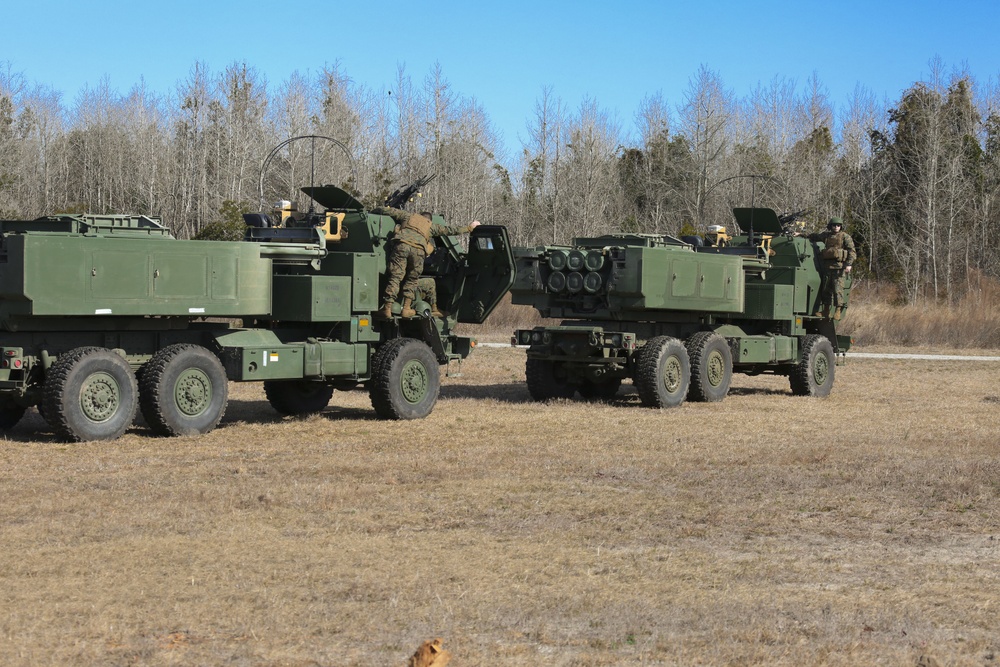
(758, 391)
(33, 428)
(517, 393)
(261, 412)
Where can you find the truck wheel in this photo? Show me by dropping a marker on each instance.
(711, 367)
(10, 413)
(599, 391)
(184, 390)
(90, 394)
(663, 372)
(813, 375)
(543, 382)
(405, 380)
(297, 397)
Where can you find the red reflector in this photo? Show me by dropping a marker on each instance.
(5, 364)
(10, 353)
(17, 363)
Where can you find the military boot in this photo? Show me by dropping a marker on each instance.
(436, 312)
(385, 312)
(408, 308)
(836, 313)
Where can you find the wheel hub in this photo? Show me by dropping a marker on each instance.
(100, 397)
(716, 369)
(672, 374)
(822, 369)
(414, 381)
(193, 392)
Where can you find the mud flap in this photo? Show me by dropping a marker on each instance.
(841, 344)
(429, 332)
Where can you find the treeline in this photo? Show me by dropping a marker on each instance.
(917, 179)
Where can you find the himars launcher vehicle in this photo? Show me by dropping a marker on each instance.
(101, 314)
(676, 316)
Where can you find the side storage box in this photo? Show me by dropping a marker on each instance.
(311, 298)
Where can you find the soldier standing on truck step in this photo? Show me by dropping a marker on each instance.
(426, 290)
(405, 263)
(838, 256)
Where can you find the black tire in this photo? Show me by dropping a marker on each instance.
(663, 372)
(90, 393)
(10, 413)
(813, 375)
(297, 397)
(405, 380)
(184, 390)
(543, 381)
(711, 367)
(599, 391)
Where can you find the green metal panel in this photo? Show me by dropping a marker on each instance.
(769, 302)
(784, 348)
(363, 269)
(115, 275)
(136, 277)
(365, 276)
(682, 277)
(225, 277)
(339, 358)
(362, 360)
(756, 350)
(677, 280)
(765, 349)
(312, 359)
(247, 338)
(312, 298)
(180, 275)
(275, 362)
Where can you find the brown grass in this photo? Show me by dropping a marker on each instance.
(767, 529)
(973, 322)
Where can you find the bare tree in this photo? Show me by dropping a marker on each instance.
(705, 120)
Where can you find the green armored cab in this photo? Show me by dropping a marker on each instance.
(677, 316)
(101, 315)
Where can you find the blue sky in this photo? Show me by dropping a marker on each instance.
(504, 53)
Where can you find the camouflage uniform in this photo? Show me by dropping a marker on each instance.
(427, 291)
(838, 254)
(413, 241)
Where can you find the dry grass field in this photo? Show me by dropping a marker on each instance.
(768, 529)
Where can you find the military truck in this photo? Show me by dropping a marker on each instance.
(104, 314)
(677, 316)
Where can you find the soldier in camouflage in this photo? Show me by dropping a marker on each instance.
(838, 256)
(426, 290)
(406, 257)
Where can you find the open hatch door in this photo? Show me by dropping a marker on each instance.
(760, 220)
(333, 198)
(489, 273)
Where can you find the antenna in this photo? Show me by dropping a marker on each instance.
(312, 174)
(753, 194)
